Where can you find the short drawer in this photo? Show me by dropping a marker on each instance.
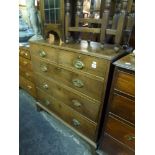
(86, 107)
(24, 53)
(121, 132)
(25, 64)
(123, 107)
(125, 82)
(27, 85)
(70, 116)
(26, 74)
(73, 60)
(44, 52)
(91, 87)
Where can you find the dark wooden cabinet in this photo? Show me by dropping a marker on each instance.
(52, 15)
(71, 81)
(118, 135)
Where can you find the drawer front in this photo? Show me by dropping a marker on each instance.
(121, 131)
(111, 147)
(67, 114)
(73, 60)
(27, 85)
(26, 74)
(45, 52)
(24, 53)
(88, 86)
(83, 105)
(84, 63)
(123, 107)
(25, 64)
(125, 82)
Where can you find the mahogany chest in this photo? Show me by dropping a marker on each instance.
(71, 82)
(119, 128)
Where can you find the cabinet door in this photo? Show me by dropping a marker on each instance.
(51, 10)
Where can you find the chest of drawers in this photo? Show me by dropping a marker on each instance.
(71, 82)
(26, 77)
(119, 131)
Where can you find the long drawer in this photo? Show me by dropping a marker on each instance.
(27, 85)
(88, 86)
(121, 131)
(81, 124)
(123, 107)
(25, 73)
(86, 107)
(25, 64)
(24, 53)
(85, 63)
(125, 83)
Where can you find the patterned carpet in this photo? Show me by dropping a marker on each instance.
(41, 134)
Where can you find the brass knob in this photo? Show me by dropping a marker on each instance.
(76, 122)
(27, 74)
(76, 103)
(45, 86)
(25, 62)
(26, 54)
(44, 68)
(21, 52)
(29, 87)
(47, 102)
(42, 53)
(78, 64)
(77, 83)
(130, 138)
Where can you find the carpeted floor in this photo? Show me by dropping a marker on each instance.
(41, 134)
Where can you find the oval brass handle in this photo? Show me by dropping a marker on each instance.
(42, 53)
(27, 74)
(43, 68)
(29, 87)
(47, 102)
(58, 68)
(22, 52)
(76, 103)
(25, 62)
(78, 64)
(76, 122)
(130, 138)
(77, 83)
(45, 86)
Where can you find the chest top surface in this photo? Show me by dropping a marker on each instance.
(126, 62)
(92, 49)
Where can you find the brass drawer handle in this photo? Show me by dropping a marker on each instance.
(78, 64)
(76, 122)
(45, 86)
(29, 87)
(58, 68)
(130, 138)
(43, 68)
(42, 53)
(27, 74)
(77, 83)
(22, 52)
(47, 102)
(76, 103)
(26, 54)
(25, 62)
